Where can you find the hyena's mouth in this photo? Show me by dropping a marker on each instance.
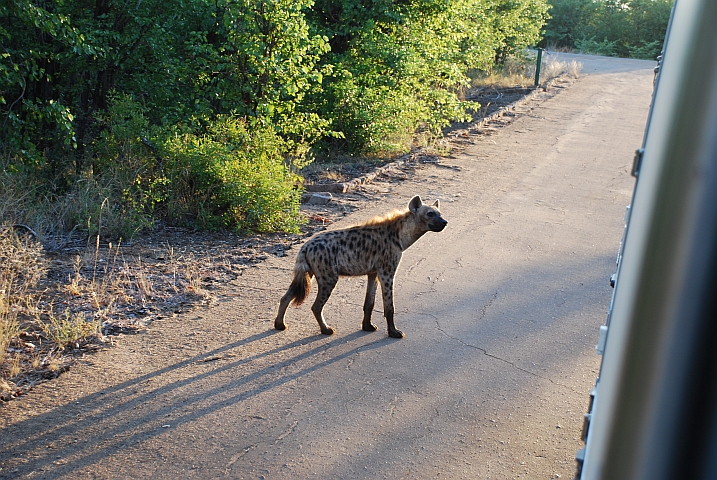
(438, 226)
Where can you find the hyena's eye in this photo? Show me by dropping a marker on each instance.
(431, 214)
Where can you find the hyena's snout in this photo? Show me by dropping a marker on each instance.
(438, 224)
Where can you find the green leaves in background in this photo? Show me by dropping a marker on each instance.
(236, 94)
(629, 28)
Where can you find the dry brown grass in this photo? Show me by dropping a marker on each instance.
(520, 72)
(44, 322)
(21, 268)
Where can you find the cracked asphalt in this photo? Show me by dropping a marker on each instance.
(501, 313)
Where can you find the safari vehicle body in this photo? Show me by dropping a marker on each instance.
(653, 412)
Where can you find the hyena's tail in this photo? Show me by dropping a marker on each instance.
(301, 284)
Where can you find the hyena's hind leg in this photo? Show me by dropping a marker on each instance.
(283, 305)
(369, 303)
(298, 291)
(326, 286)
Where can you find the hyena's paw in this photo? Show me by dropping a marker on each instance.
(279, 325)
(395, 333)
(369, 327)
(327, 331)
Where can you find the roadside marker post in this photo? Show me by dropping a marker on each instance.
(537, 66)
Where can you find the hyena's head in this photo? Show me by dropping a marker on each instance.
(427, 216)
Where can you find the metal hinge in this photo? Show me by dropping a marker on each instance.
(637, 162)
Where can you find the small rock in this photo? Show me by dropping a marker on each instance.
(320, 198)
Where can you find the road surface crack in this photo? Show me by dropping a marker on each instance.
(286, 432)
(485, 352)
(484, 308)
(239, 455)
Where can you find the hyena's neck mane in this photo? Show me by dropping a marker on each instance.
(402, 222)
(388, 219)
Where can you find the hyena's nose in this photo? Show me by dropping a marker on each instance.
(441, 224)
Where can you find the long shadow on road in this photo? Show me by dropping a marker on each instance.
(147, 424)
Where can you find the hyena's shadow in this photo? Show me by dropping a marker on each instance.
(329, 352)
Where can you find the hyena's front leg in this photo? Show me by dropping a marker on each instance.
(386, 279)
(326, 286)
(369, 303)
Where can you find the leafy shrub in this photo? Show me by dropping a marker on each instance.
(648, 51)
(399, 67)
(230, 177)
(634, 28)
(225, 175)
(120, 108)
(376, 120)
(590, 45)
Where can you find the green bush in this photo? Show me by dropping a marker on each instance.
(226, 175)
(628, 28)
(131, 111)
(398, 67)
(648, 51)
(590, 45)
(232, 176)
(375, 120)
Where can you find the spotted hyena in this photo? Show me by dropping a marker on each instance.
(373, 248)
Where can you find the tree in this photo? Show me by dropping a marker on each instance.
(624, 28)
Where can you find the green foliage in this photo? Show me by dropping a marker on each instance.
(519, 23)
(34, 40)
(399, 65)
(134, 102)
(648, 50)
(227, 175)
(634, 28)
(589, 45)
(567, 19)
(232, 176)
(375, 120)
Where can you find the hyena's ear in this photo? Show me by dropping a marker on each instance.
(415, 204)
(435, 204)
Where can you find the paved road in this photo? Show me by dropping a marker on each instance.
(501, 313)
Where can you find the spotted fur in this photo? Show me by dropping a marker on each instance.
(373, 249)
